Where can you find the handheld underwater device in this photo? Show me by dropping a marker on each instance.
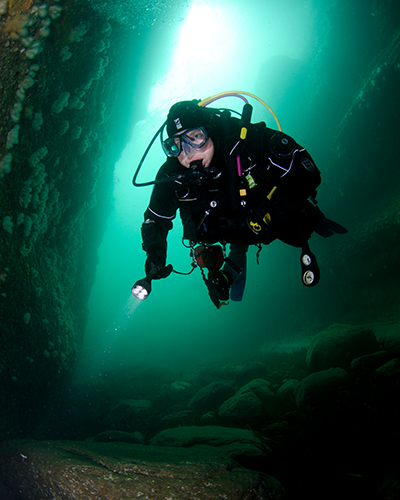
(142, 288)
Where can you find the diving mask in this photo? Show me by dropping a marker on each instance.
(193, 138)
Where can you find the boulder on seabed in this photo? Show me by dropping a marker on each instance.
(252, 401)
(319, 387)
(285, 399)
(118, 436)
(390, 340)
(211, 397)
(176, 419)
(179, 385)
(369, 362)
(129, 414)
(34, 470)
(390, 369)
(234, 373)
(338, 345)
(240, 444)
(130, 407)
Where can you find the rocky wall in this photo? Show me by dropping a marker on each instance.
(368, 193)
(59, 138)
(355, 117)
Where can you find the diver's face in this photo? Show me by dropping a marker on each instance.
(189, 153)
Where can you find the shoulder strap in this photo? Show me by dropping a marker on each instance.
(234, 148)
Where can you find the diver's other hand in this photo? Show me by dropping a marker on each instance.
(218, 285)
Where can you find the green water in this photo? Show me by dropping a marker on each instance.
(330, 70)
(309, 61)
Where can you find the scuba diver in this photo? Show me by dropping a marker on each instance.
(235, 183)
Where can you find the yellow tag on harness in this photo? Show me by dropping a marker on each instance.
(255, 226)
(251, 182)
(267, 218)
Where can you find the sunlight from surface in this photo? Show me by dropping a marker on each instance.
(200, 45)
(224, 45)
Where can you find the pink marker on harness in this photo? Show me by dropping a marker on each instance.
(239, 166)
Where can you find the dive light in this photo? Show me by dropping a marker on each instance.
(142, 288)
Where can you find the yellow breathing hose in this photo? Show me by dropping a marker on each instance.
(239, 93)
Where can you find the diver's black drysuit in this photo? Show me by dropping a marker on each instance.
(270, 200)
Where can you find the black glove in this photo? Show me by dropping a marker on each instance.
(157, 260)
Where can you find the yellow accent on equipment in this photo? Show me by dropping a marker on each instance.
(251, 182)
(267, 218)
(271, 193)
(255, 226)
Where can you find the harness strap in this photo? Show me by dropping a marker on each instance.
(232, 166)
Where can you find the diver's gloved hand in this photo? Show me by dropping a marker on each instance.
(158, 273)
(218, 284)
(156, 259)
